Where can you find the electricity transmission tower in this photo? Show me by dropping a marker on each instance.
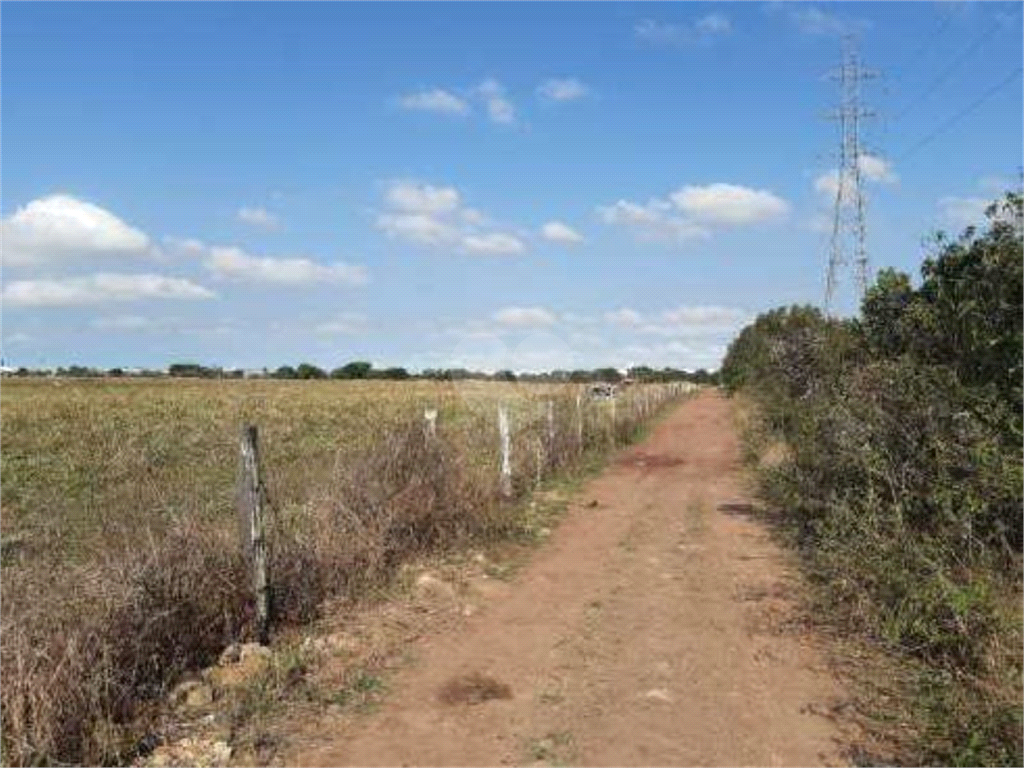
(848, 217)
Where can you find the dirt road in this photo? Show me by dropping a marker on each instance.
(650, 630)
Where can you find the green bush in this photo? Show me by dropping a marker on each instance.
(902, 480)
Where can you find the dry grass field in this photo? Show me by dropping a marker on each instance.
(122, 566)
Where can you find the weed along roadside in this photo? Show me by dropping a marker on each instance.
(145, 630)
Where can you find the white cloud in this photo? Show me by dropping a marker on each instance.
(653, 221)
(706, 317)
(961, 212)
(558, 232)
(436, 100)
(624, 318)
(235, 263)
(728, 204)
(872, 168)
(562, 89)
(625, 212)
(877, 169)
(417, 228)
(703, 30)
(61, 227)
(495, 243)
(347, 323)
(700, 320)
(258, 217)
(100, 288)
(524, 317)
(434, 216)
(422, 198)
(499, 107)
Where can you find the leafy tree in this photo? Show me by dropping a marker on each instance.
(309, 371)
(355, 370)
(284, 372)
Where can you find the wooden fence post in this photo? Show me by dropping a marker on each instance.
(614, 395)
(551, 422)
(579, 418)
(506, 460)
(250, 508)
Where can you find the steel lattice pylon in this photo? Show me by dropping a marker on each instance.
(849, 228)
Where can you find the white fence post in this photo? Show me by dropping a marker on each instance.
(506, 460)
(551, 422)
(430, 422)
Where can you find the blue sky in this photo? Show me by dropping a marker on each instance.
(492, 185)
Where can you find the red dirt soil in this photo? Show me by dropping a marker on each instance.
(650, 630)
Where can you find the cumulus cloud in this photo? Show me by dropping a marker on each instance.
(434, 216)
(557, 232)
(652, 221)
(258, 217)
(419, 228)
(872, 168)
(499, 243)
(728, 204)
(702, 30)
(704, 317)
(99, 289)
(562, 89)
(436, 100)
(422, 198)
(231, 262)
(60, 227)
(524, 317)
(499, 107)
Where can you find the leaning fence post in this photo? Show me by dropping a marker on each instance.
(430, 422)
(250, 508)
(506, 462)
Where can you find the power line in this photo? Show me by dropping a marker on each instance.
(904, 65)
(957, 117)
(944, 75)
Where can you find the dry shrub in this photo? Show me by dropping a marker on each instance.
(85, 643)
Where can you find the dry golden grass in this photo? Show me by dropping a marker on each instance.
(122, 567)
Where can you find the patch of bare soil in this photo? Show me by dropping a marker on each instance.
(655, 627)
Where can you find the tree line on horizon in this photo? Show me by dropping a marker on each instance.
(361, 369)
